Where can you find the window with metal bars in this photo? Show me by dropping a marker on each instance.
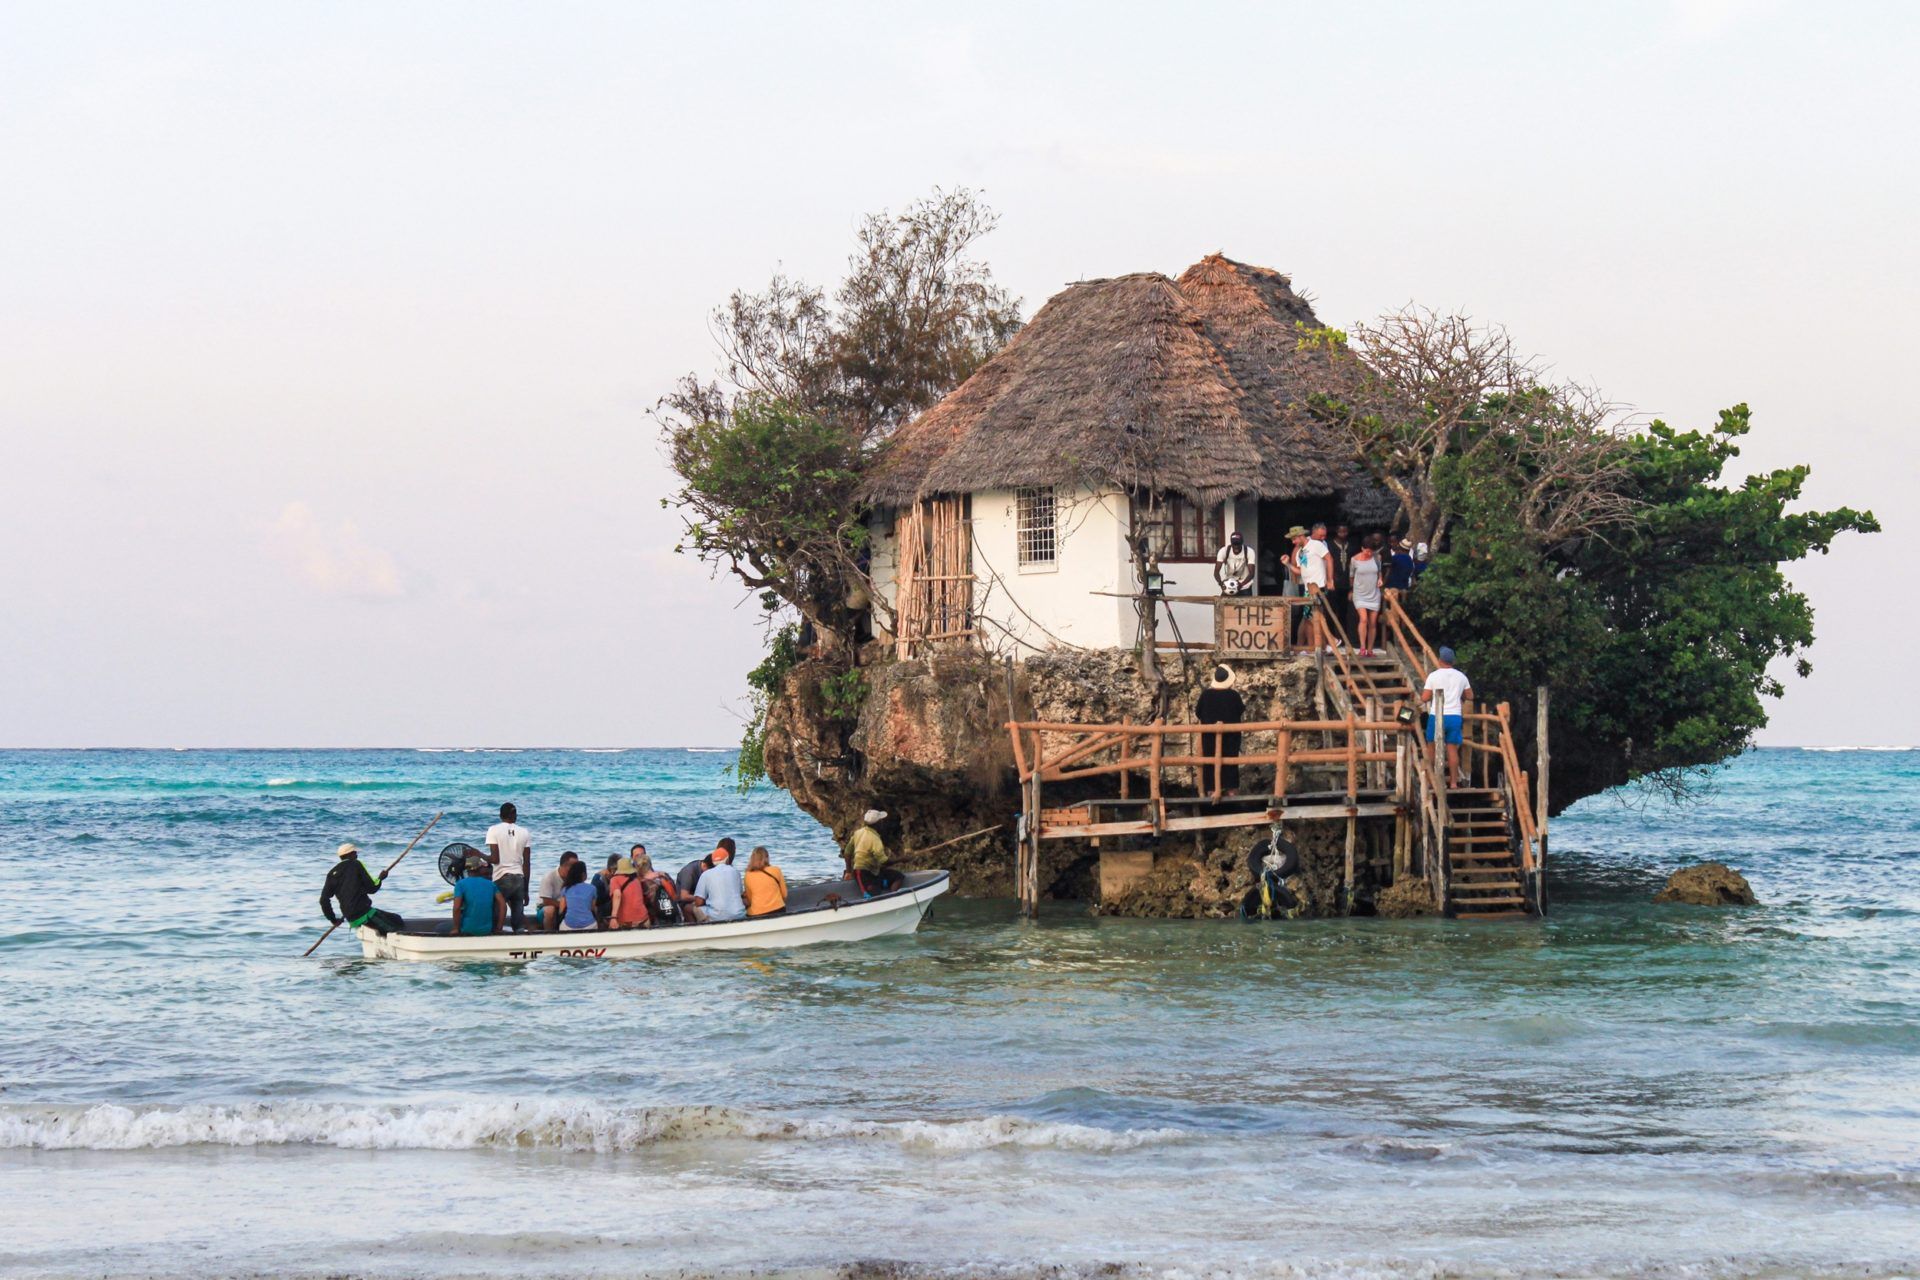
(1037, 527)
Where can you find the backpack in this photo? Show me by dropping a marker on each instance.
(661, 902)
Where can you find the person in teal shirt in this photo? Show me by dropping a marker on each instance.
(477, 905)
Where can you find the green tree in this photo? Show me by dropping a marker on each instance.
(1654, 633)
(767, 493)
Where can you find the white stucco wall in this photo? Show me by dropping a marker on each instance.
(1030, 608)
(1033, 607)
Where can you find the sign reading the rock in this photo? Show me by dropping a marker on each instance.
(1250, 628)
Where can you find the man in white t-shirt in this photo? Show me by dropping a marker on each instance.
(1315, 576)
(1448, 715)
(1233, 567)
(510, 850)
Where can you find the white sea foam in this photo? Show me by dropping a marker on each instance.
(708, 751)
(554, 1126)
(1880, 748)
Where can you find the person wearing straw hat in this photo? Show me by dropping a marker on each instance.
(1220, 703)
(866, 856)
(351, 885)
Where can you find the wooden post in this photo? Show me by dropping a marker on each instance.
(1353, 758)
(1029, 887)
(1283, 748)
(1149, 639)
(1443, 862)
(1541, 761)
(1153, 777)
(1402, 793)
(1353, 826)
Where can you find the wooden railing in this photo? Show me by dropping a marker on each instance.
(1039, 752)
(1414, 649)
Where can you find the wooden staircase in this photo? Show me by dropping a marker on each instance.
(1482, 853)
(1484, 879)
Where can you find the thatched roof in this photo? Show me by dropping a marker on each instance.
(1187, 385)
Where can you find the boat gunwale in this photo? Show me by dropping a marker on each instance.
(639, 941)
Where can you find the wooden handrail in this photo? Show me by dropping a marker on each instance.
(1169, 729)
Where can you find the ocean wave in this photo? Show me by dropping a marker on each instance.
(341, 784)
(555, 1126)
(1860, 748)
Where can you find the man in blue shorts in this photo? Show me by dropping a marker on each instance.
(1449, 713)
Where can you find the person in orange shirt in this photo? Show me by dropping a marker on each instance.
(766, 888)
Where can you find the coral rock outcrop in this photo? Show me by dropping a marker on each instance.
(1710, 884)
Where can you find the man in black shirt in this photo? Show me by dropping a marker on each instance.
(353, 886)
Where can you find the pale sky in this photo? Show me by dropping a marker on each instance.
(328, 331)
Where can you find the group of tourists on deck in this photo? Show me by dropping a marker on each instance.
(1342, 575)
(628, 893)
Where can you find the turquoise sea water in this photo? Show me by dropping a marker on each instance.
(1624, 1089)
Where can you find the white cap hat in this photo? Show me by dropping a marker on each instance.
(348, 849)
(872, 816)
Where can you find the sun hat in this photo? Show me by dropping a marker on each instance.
(624, 867)
(1296, 532)
(348, 849)
(872, 816)
(476, 863)
(1222, 678)
(1404, 544)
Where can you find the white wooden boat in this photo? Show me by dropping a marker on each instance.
(833, 911)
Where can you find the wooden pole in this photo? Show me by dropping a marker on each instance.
(1353, 824)
(921, 853)
(1542, 759)
(383, 875)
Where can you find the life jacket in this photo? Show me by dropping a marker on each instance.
(629, 900)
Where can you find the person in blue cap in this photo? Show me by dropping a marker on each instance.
(1449, 713)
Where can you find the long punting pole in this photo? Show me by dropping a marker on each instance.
(383, 875)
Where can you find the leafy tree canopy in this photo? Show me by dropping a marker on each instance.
(1654, 633)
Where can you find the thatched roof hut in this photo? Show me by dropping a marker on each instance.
(1189, 386)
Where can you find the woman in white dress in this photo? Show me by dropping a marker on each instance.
(1365, 570)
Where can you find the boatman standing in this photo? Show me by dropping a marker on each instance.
(351, 885)
(510, 850)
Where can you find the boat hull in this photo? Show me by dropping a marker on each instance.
(852, 920)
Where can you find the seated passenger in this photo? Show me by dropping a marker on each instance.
(478, 905)
(766, 888)
(552, 886)
(689, 876)
(578, 897)
(665, 902)
(602, 890)
(629, 898)
(720, 892)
